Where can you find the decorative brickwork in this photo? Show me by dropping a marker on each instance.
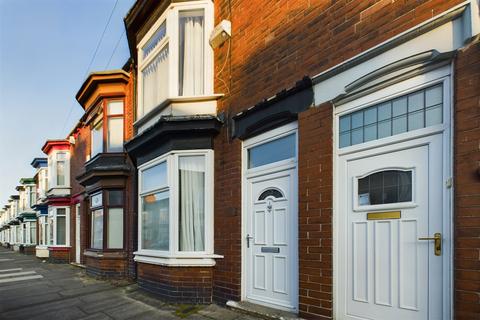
(177, 284)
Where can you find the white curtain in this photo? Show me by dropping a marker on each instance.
(191, 54)
(192, 203)
(155, 81)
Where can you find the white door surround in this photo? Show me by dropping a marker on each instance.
(427, 153)
(77, 234)
(270, 224)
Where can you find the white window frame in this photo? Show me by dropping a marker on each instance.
(52, 169)
(52, 213)
(174, 256)
(171, 17)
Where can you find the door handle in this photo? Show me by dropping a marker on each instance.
(437, 237)
(248, 240)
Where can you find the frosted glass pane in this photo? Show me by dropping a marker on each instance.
(115, 135)
(384, 129)
(433, 96)
(115, 107)
(415, 101)
(357, 120)
(344, 139)
(273, 151)
(434, 116)
(399, 125)
(357, 136)
(415, 120)
(154, 177)
(370, 116)
(345, 123)
(115, 228)
(384, 111)
(370, 133)
(155, 222)
(399, 106)
(97, 229)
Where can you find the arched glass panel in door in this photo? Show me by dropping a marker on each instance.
(389, 186)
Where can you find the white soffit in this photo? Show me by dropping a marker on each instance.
(447, 37)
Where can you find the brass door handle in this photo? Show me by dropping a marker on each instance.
(437, 237)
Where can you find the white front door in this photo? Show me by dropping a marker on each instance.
(77, 234)
(393, 197)
(271, 244)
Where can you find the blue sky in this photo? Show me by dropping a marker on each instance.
(45, 49)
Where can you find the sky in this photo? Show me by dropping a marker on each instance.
(46, 47)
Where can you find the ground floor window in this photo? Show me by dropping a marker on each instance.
(58, 226)
(107, 220)
(42, 230)
(176, 204)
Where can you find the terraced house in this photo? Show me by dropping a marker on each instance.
(315, 157)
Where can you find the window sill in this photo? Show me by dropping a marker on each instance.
(206, 260)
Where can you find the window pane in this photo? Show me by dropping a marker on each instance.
(97, 229)
(345, 123)
(415, 120)
(155, 39)
(384, 111)
(384, 129)
(357, 120)
(154, 177)
(370, 132)
(33, 233)
(61, 230)
(155, 81)
(155, 221)
(415, 101)
(433, 116)
(115, 135)
(433, 96)
(60, 173)
(115, 198)
(357, 136)
(115, 228)
(399, 106)
(115, 107)
(399, 125)
(344, 139)
(370, 116)
(191, 53)
(390, 186)
(97, 140)
(192, 203)
(273, 151)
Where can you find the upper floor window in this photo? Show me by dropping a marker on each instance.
(61, 162)
(58, 169)
(174, 57)
(108, 126)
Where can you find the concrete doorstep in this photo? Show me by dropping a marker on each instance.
(261, 311)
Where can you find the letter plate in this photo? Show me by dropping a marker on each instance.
(384, 215)
(271, 249)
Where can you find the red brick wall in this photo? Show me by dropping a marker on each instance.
(467, 183)
(59, 255)
(177, 284)
(315, 176)
(106, 267)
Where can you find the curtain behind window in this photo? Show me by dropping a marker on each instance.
(155, 81)
(192, 203)
(191, 54)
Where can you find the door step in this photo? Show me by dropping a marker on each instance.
(261, 311)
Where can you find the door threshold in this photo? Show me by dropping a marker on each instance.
(261, 311)
(78, 265)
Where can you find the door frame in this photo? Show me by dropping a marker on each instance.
(78, 240)
(269, 169)
(441, 75)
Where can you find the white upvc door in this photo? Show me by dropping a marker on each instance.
(77, 234)
(271, 261)
(393, 197)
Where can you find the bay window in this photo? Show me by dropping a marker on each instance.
(58, 169)
(176, 209)
(42, 230)
(97, 138)
(58, 226)
(108, 126)
(107, 220)
(175, 59)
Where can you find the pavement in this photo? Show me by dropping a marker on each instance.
(34, 290)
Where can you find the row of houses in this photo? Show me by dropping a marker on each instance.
(315, 157)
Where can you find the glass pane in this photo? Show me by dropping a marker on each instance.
(191, 53)
(115, 228)
(61, 230)
(433, 96)
(273, 151)
(345, 123)
(390, 186)
(115, 198)
(384, 111)
(399, 106)
(155, 39)
(115, 107)
(97, 229)
(399, 125)
(415, 120)
(370, 116)
(433, 116)
(192, 203)
(415, 101)
(155, 221)
(155, 81)
(357, 119)
(154, 177)
(384, 129)
(115, 135)
(345, 139)
(370, 133)
(33, 233)
(97, 140)
(60, 173)
(357, 136)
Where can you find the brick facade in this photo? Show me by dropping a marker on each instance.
(467, 183)
(177, 284)
(107, 266)
(59, 255)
